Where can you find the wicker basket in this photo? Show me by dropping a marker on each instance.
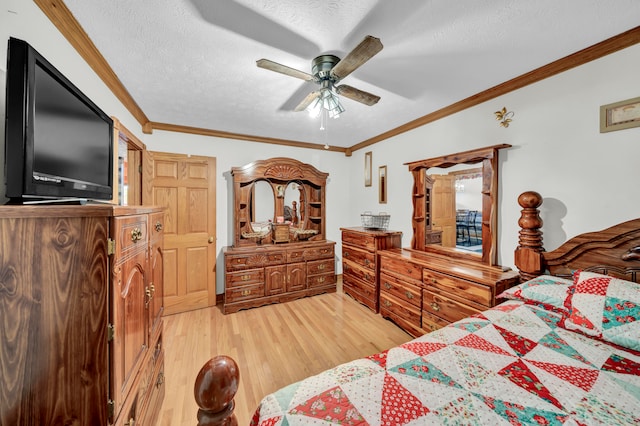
(371, 221)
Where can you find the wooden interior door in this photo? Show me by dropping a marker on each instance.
(444, 208)
(186, 186)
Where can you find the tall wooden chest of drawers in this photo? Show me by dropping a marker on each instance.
(360, 267)
(422, 292)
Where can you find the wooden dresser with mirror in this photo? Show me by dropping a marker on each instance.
(438, 280)
(280, 251)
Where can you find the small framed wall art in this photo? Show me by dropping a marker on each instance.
(382, 181)
(367, 168)
(620, 115)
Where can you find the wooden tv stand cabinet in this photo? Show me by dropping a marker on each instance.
(81, 307)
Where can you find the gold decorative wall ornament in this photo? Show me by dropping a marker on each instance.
(504, 117)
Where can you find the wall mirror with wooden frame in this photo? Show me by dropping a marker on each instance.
(278, 192)
(437, 220)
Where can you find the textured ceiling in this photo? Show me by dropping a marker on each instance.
(193, 62)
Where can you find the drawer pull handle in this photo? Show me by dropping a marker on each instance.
(158, 226)
(246, 292)
(160, 379)
(367, 277)
(387, 285)
(136, 235)
(409, 295)
(321, 279)
(321, 267)
(246, 277)
(131, 422)
(387, 303)
(433, 280)
(346, 254)
(367, 262)
(409, 271)
(434, 306)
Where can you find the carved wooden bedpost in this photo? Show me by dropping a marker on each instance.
(528, 254)
(214, 390)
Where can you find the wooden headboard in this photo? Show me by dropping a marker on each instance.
(613, 251)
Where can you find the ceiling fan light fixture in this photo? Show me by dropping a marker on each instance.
(326, 101)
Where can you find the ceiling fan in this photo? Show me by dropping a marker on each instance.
(328, 70)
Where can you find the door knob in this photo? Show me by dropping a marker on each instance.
(210, 240)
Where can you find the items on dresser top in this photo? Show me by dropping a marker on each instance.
(360, 267)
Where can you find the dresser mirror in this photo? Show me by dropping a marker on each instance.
(434, 205)
(280, 193)
(456, 206)
(262, 207)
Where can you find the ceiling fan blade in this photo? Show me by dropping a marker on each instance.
(283, 69)
(307, 101)
(358, 56)
(357, 94)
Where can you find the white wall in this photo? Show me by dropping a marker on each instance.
(588, 179)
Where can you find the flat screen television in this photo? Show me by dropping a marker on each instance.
(58, 143)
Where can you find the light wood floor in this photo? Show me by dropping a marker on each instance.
(273, 345)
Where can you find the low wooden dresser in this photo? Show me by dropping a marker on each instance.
(360, 267)
(273, 273)
(422, 292)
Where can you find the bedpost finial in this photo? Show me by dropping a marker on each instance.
(214, 390)
(530, 200)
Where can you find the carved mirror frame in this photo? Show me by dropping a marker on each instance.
(421, 219)
(278, 172)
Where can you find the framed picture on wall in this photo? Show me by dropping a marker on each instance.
(382, 182)
(367, 168)
(620, 115)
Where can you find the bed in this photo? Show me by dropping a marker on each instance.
(562, 349)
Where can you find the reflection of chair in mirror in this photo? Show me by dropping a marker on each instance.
(462, 227)
(475, 228)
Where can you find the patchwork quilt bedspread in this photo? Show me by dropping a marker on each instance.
(512, 364)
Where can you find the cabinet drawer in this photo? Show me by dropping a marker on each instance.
(445, 308)
(156, 226)
(295, 255)
(362, 287)
(361, 257)
(320, 267)
(401, 267)
(321, 280)
(464, 289)
(431, 322)
(391, 305)
(242, 278)
(131, 235)
(254, 260)
(357, 239)
(358, 271)
(248, 292)
(322, 252)
(401, 290)
(363, 292)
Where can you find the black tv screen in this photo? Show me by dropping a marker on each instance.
(58, 143)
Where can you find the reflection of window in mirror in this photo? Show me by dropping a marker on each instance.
(456, 208)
